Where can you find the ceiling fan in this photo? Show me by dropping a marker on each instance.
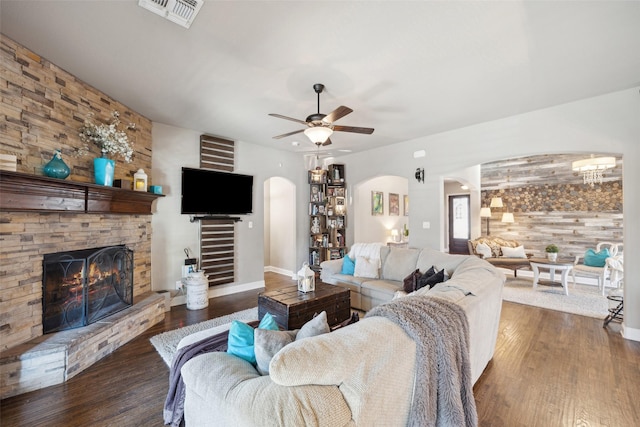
(320, 126)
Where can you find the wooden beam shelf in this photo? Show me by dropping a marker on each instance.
(33, 193)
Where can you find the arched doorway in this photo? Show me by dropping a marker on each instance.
(279, 226)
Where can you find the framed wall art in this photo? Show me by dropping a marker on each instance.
(405, 199)
(377, 203)
(394, 204)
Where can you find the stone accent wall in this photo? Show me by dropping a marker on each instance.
(606, 197)
(551, 204)
(26, 237)
(41, 109)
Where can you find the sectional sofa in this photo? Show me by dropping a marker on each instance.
(367, 373)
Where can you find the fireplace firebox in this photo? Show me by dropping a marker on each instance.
(85, 286)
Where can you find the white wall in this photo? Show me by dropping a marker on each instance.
(608, 123)
(366, 227)
(176, 147)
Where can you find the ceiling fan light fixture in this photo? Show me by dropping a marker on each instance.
(318, 134)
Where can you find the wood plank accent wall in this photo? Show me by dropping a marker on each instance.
(217, 249)
(217, 237)
(41, 108)
(551, 204)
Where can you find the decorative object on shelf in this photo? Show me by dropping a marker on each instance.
(405, 232)
(552, 252)
(56, 168)
(8, 162)
(123, 183)
(107, 137)
(155, 189)
(103, 170)
(110, 140)
(306, 279)
(486, 213)
(420, 174)
(592, 168)
(315, 226)
(395, 235)
(140, 181)
(377, 203)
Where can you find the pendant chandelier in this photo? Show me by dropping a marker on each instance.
(592, 168)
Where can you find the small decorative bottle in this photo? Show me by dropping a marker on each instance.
(56, 168)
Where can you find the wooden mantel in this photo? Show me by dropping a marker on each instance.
(33, 193)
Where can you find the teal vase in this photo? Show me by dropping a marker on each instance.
(56, 168)
(103, 169)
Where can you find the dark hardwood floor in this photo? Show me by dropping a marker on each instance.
(549, 369)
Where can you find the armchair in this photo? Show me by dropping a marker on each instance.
(600, 273)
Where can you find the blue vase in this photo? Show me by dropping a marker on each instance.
(103, 169)
(56, 168)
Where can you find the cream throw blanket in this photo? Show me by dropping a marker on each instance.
(443, 389)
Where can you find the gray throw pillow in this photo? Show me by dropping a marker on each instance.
(316, 326)
(267, 343)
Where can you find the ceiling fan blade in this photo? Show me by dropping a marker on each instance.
(336, 114)
(327, 142)
(280, 116)
(353, 129)
(288, 134)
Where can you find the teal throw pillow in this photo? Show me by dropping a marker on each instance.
(241, 338)
(348, 266)
(596, 259)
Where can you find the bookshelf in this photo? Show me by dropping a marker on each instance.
(327, 215)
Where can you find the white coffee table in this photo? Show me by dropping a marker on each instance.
(563, 265)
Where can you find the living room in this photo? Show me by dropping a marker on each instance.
(599, 123)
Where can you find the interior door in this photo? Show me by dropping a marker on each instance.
(459, 224)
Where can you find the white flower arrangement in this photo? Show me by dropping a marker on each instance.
(108, 137)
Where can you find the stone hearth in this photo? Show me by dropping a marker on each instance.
(54, 358)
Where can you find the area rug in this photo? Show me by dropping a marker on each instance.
(584, 300)
(166, 343)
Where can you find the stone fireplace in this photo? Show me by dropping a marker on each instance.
(83, 287)
(103, 217)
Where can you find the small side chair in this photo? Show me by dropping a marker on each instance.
(599, 273)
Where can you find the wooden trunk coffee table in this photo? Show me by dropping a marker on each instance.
(292, 309)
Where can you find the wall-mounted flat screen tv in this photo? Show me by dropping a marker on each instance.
(206, 192)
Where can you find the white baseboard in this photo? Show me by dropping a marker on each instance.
(628, 333)
(221, 290)
(272, 269)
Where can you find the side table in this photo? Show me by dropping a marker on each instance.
(564, 265)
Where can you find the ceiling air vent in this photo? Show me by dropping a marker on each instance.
(182, 12)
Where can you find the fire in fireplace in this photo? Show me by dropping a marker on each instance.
(85, 286)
